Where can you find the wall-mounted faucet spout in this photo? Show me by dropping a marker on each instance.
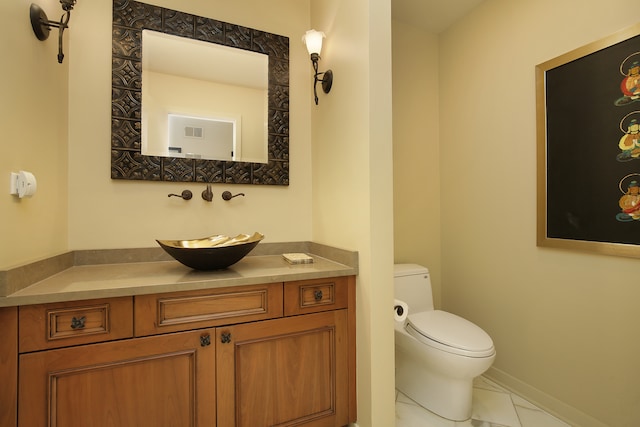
(207, 194)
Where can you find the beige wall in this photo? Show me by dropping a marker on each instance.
(564, 323)
(33, 122)
(416, 150)
(352, 180)
(105, 213)
(342, 198)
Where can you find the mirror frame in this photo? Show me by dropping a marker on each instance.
(127, 161)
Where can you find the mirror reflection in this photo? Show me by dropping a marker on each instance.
(202, 100)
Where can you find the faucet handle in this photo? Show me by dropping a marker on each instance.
(186, 195)
(228, 196)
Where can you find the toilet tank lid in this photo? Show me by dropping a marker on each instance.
(400, 270)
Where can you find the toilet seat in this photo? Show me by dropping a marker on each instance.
(449, 333)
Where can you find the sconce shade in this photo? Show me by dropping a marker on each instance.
(313, 40)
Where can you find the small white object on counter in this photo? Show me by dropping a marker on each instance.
(298, 258)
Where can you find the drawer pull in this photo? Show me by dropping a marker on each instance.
(205, 340)
(225, 337)
(317, 295)
(78, 322)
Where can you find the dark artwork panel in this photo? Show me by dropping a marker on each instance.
(593, 148)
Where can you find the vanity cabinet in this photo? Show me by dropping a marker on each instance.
(275, 354)
(155, 381)
(284, 372)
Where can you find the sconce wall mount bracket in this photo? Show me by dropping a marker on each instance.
(326, 80)
(42, 25)
(39, 22)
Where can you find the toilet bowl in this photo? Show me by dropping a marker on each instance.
(438, 354)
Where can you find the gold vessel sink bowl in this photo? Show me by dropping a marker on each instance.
(211, 253)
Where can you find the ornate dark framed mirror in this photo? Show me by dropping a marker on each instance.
(128, 162)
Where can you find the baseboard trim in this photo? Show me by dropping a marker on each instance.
(550, 404)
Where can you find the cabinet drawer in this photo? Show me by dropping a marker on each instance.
(46, 326)
(179, 311)
(310, 296)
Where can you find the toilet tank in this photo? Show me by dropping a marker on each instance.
(413, 286)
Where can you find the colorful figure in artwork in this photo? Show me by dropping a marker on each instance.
(630, 85)
(630, 142)
(630, 202)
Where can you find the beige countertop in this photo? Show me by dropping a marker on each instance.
(104, 280)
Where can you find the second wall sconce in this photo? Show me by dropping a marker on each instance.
(42, 25)
(313, 40)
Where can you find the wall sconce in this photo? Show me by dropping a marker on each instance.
(42, 26)
(313, 40)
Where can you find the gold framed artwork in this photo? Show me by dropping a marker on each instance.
(588, 147)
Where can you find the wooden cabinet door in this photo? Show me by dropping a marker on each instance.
(8, 366)
(161, 381)
(284, 372)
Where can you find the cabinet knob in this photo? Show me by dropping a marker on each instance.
(317, 295)
(225, 337)
(205, 340)
(78, 322)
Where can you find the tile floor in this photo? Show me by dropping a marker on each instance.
(493, 406)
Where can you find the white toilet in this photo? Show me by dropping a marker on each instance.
(438, 354)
